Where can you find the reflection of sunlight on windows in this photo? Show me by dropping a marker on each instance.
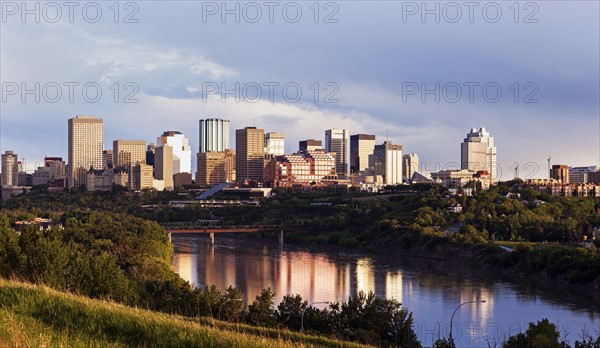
(365, 277)
(393, 286)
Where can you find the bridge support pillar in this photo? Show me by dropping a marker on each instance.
(212, 238)
(281, 237)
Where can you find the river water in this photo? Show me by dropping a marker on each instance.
(430, 289)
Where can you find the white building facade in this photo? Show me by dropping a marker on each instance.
(478, 152)
(214, 135)
(182, 152)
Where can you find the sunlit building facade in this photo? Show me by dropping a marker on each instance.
(478, 152)
(86, 146)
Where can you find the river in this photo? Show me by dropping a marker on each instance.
(430, 289)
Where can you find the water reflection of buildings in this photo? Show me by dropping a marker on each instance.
(186, 266)
(316, 277)
(482, 312)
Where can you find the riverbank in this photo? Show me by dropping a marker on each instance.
(455, 263)
(549, 267)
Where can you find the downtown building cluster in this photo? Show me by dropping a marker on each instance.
(258, 159)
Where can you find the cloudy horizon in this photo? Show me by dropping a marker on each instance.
(369, 67)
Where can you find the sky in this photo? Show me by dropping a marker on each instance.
(419, 73)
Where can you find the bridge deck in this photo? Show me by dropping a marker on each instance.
(222, 229)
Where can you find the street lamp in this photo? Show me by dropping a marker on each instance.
(304, 311)
(229, 299)
(451, 343)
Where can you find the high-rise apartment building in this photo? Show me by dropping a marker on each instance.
(214, 135)
(560, 172)
(410, 165)
(127, 153)
(310, 145)
(388, 162)
(215, 167)
(10, 169)
(86, 145)
(182, 153)
(478, 152)
(336, 140)
(163, 165)
(249, 154)
(361, 147)
(274, 144)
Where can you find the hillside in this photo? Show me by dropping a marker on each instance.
(36, 316)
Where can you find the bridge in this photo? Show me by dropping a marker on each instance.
(212, 229)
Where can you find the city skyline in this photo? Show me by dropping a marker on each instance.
(423, 167)
(167, 68)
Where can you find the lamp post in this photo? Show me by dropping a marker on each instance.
(229, 299)
(304, 311)
(451, 342)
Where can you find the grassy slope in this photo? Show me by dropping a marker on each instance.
(35, 316)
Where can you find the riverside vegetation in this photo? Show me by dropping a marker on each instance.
(111, 249)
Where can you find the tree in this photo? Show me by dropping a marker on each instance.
(374, 320)
(231, 305)
(289, 311)
(540, 335)
(9, 249)
(261, 311)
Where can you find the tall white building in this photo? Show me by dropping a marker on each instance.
(10, 169)
(410, 165)
(478, 152)
(388, 162)
(86, 144)
(214, 135)
(182, 152)
(337, 140)
(274, 144)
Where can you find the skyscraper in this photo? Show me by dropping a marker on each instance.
(361, 147)
(388, 162)
(182, 153)
(86, 144)
(127, 153)
(274, 144)
(410, 165)
(249, 154)
(215, 167)
(478, 152)
(336, 140)
(10, 169)
(214, 135)
(163, 165)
